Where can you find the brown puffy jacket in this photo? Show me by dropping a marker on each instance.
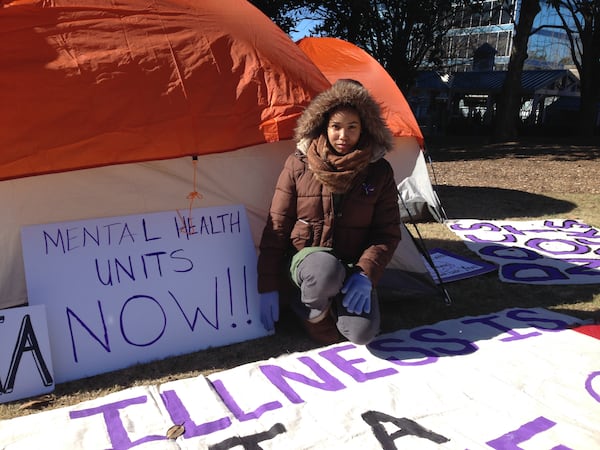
(365, 231)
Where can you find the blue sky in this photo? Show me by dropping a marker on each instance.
(303, 28)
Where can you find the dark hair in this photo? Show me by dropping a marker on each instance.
(350, 80)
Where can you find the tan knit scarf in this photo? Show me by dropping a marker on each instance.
(336, 171)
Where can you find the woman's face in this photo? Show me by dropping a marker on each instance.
(343, 130)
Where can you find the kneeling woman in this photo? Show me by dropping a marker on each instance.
(334, 221)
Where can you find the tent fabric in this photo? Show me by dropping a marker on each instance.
(87, 83)
(337, 58)
(417, 195)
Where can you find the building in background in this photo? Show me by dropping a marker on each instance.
(494, 26)
(463, 97)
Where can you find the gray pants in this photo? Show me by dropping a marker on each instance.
(320, 276)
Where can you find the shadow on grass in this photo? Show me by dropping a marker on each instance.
(495, 203)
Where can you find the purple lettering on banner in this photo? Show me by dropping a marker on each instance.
(548, 273)
(586, 262)
(506, 238)
(581, 235)
(573, 247)
(590, 232)
(591, 243)
(383, 346)
(180, 415)
(114, 426)
(565, 224)
(584, 267)
(502, 252)
(524, 315)
(513, 230)
(514, 335)
(159, 334)
(347, 366)
(510, 441)
(475, 226)
(466, 348)
(276, 375)
(236, 410)
(588, 386)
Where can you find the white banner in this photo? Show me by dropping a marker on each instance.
(553, 251)
(517, 379)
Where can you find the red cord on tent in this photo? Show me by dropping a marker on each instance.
(188, 227)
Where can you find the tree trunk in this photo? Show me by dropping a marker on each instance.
(590, 65)
(509, 104)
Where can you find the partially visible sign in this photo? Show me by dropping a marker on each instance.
(25, 358)
(126, 290)
(453, 267)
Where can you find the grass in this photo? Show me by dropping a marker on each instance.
(477, 197)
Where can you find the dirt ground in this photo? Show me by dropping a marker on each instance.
(568, 165)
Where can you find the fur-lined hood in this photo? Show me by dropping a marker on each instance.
(313, 121)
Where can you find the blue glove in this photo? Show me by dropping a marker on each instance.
(357, 290)
(269, 309)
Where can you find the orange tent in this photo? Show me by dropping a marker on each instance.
(340, 59)
(87, 83)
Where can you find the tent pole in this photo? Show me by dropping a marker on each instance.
(427, 156)
(423, 250)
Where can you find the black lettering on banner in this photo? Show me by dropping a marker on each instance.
(250, 442)
(375, 419)
(26, 342)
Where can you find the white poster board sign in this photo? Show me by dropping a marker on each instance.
(25, 358)
(133, 289)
